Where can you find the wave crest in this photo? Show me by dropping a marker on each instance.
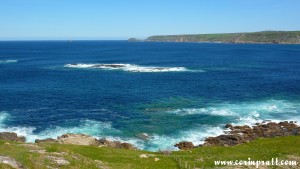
(196, 136)
(204, 111)
(8, 61)
(248, 112)
(127, 67)
(3, 116)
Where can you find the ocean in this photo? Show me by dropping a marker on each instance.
(150, 94)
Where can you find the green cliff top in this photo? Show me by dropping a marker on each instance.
(284, 37)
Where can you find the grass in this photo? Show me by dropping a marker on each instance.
(260, 149)
(90, 157)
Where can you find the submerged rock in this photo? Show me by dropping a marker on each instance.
(11, 137)
(143, 136)
(185, 145)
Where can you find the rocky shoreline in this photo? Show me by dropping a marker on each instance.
(234, 135)
(244, 134)
(76, 139)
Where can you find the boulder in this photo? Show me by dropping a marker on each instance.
(224, 140)
(108, 143)
(185, 145)
(146, 155)
(127, 146)
(47, 140)
(78, 139)
(59, 161)
(115, 144)
(266, 121)
(228, 126)
(12, 137)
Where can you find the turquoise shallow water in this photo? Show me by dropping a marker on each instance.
(168, 91)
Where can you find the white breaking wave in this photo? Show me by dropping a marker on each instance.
(8, 61)
(22, 131)
(104, 129)
(248, 112)
(127, 67)
(89, 127)
(94, 128)
(196, 136)
(3, 116)
(204, 111)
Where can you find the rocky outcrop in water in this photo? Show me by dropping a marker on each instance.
(11, 137)
(143, 136)
(244, 134)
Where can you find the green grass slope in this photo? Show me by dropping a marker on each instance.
(290, 37)
(40, 156)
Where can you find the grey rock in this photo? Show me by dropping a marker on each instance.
(11, 137)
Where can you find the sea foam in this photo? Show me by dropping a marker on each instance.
(247, 112)
(127, 67)
(104, 129)
(8, 61)
(3, 116)
(205, 111)
(196, 136)
(91, 127)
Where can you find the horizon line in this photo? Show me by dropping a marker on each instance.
(64, 40)
(140, 38)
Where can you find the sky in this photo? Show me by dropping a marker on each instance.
(122, 19)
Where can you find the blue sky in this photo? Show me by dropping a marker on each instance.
(121, 19)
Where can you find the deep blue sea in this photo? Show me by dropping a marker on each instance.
(121, 90)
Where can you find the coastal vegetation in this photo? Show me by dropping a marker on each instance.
(284, 37)
(54, 155)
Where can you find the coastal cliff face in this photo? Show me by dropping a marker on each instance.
(281, 37)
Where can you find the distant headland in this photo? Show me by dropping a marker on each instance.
(269, 37)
